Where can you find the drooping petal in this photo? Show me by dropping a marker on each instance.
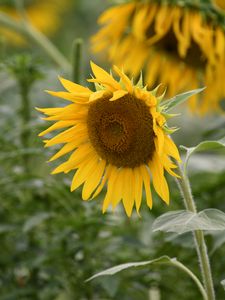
(84, 171)
(128, 191)
(138, 188)
(93, 180)
(146, 179)
(171, 148)
(159, 181)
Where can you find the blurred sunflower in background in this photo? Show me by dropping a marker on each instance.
(118, 137)
(179, 43)
(220, 4)
(44, 15)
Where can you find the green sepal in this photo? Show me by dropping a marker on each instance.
(170, 130)
(154, 92)
(140, 82)
(169, 116)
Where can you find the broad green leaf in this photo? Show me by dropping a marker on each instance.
(182, 221)
(223, 283)
(203, 146)
(178, 99)
(119, 268)
(36, 220)
(218, 241)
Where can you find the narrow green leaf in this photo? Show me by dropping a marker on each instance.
(36, 220)
(178, 99)
(161, 260)
(203, 146)
(182, 221)
(119, 268)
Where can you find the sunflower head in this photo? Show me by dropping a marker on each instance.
(176, 42)
(117, 136)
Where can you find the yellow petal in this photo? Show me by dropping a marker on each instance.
(138, 188)
(57, 125)
(50, 111)
(168, 165)
(93, 180)
(171, 148)
(159, 140)
(128, 190)
(74, 143)
(159, 181)
(99, 95)
(146, 179)
(118, 188)
(86, 169)
(68, 135)
(118, 94)
(78, 156)
(75, 116)
(102, 75)
(124, 79)
(80, 98)
(110, 189)
(73, 87)
(103, 182)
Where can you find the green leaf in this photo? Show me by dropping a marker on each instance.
(218, 241)
(203, 146)
(182, 221)
(178, 99)
(36, 220)
(119, 268)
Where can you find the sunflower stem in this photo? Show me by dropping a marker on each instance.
(26, 29)
(77, 56)
(200, 244)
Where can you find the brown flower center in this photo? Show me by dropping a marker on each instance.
(121, 131)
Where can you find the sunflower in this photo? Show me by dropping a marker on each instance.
(179, 43)
(45, 15)
(118, 137)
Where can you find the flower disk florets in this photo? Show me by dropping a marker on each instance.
(121, 131)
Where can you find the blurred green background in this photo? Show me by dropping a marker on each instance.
(51, 241)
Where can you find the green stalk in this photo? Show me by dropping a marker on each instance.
(200, 244)
(77, 52)
(26, 116)
(26, 29)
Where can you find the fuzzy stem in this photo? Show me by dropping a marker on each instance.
(26, 29)
(185, 189)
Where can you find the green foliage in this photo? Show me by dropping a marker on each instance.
(52, 241)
